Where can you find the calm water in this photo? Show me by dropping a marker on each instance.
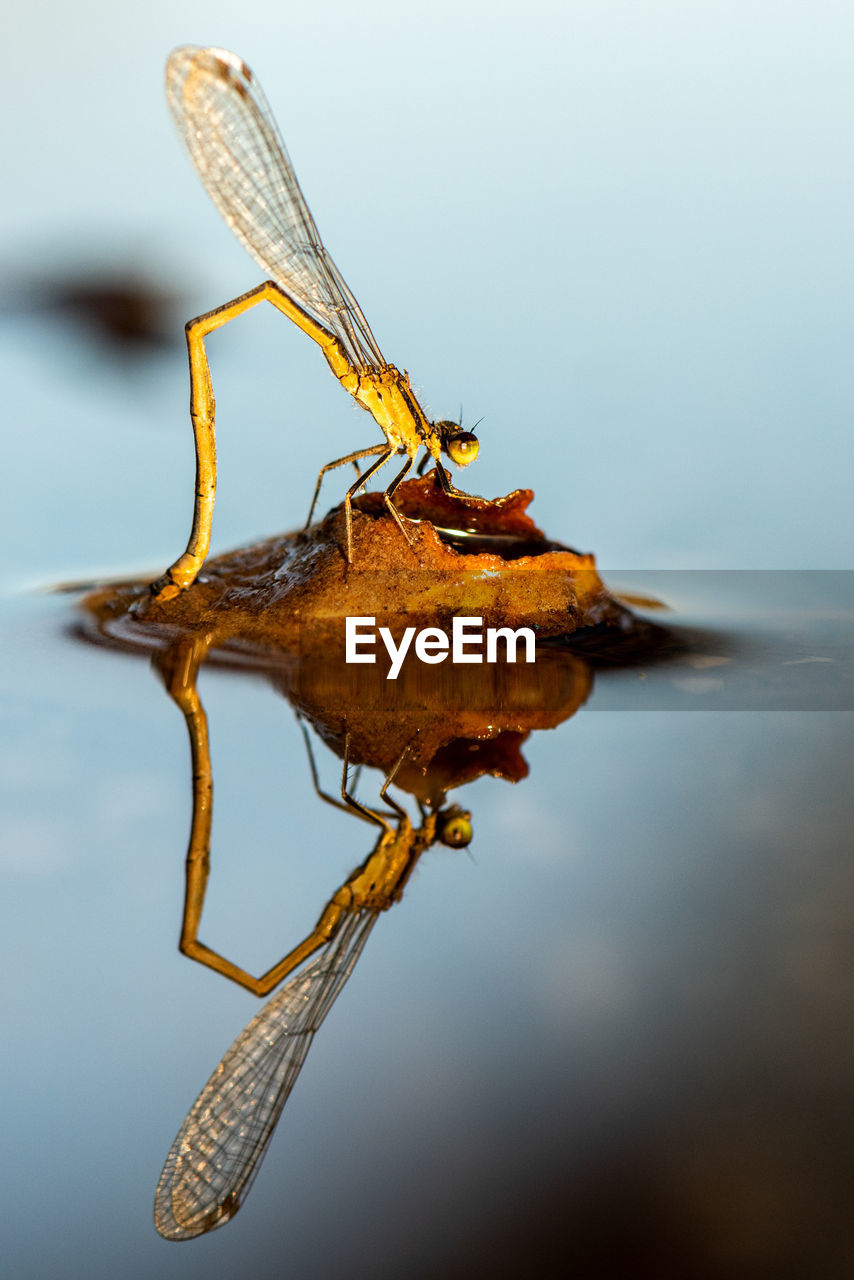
(615, 1034)
(627, 1011)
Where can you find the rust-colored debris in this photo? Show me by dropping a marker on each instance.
(292, 593)
(445, 716)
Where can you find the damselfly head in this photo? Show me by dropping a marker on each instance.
(454, 826)
(460, 446)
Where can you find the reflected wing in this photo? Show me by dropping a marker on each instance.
(236, 147)
(219, 1148)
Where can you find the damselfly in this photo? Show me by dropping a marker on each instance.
(234, 143)
(219, 1147)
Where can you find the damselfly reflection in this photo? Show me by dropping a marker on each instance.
(219, 1148)
(238, 151)
(425, 740)
(217, 1153)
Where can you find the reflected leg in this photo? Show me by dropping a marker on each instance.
(325, 796)
(399, 809)
(370, 815)
(179, 670)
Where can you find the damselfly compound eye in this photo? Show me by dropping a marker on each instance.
(456, 829)
(462, 448)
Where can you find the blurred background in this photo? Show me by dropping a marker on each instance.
(621, 235)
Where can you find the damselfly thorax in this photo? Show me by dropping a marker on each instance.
(236, 147)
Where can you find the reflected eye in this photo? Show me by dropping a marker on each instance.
(462, 448)
(456, 831)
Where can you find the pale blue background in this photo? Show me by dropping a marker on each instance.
(619, 232)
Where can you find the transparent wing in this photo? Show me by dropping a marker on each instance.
(214, 1158)
(234, 143)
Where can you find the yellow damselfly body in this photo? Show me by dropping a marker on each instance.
(237, 149)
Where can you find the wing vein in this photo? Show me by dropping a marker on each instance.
(219, 1148)
(235, 145)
